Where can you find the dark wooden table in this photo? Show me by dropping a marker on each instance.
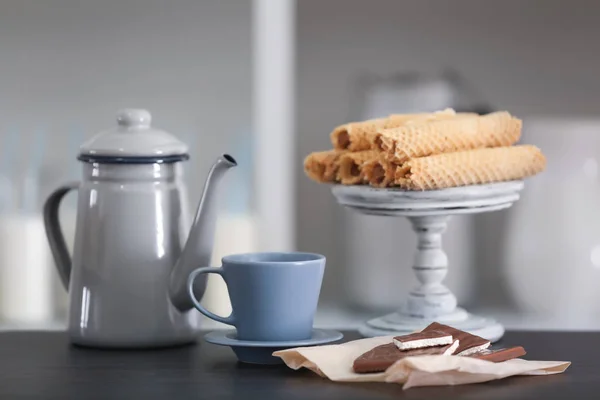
(45, 366)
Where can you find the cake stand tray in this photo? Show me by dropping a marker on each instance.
(428, 212)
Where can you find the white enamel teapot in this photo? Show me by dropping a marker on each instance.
(134, 244)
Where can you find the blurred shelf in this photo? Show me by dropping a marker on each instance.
(520, 321)
(344, 319)
(55, 325)
(329, 317)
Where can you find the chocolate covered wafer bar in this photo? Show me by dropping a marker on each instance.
(468, 343)
(421, 340)
(382, 357)
(499, 355)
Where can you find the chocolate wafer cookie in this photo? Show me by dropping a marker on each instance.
(500, 354)
(421, 340)
(382, 357)
(468, 343)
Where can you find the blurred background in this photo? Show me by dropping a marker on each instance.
(267, 80)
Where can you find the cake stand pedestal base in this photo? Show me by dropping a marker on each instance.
(429, 213)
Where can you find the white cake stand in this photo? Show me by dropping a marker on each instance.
(428, 212)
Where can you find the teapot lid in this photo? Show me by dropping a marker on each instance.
(133, 141)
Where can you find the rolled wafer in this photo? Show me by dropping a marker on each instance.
(351, 166)
(356, 136)
(322, 166)
(464, 132)
(380, 172)
(470, 167)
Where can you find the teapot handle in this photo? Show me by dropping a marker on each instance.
(56, 239)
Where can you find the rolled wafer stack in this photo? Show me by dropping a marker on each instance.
(427, 151)
(353, 141)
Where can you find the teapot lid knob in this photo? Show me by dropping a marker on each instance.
(134, 118)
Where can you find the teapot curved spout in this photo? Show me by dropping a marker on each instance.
(197, 251)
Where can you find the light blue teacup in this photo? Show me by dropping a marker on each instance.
(273, 296)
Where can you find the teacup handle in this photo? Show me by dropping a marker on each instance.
(190, 286)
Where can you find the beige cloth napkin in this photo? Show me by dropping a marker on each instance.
(335, 362)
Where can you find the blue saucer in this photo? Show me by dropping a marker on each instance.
(255, 352)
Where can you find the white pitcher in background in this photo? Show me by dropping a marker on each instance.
(552, 253)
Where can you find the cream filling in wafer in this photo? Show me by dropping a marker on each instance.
(475, 349)
(350, 171)
(421, 343)
(380, 173)
(450, 350)
(342, 139)
(378, 142)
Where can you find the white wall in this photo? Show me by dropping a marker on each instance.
(67, 66)
(71, 64)
(530, 57)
